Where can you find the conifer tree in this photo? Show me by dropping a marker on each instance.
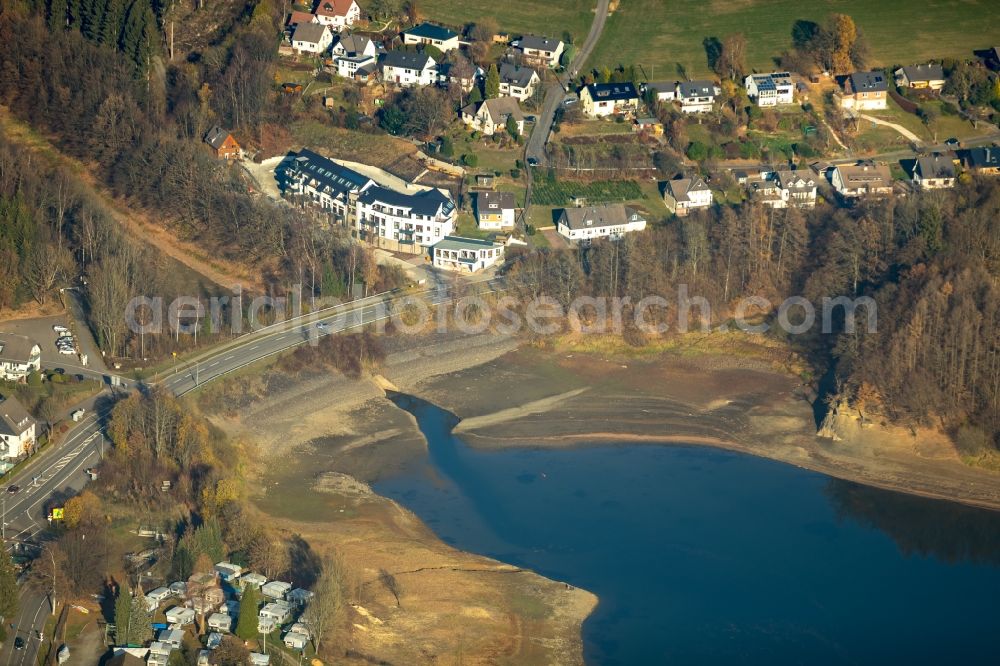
(492, 82)
(246, 625)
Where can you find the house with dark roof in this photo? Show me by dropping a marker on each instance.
(586, 223)
(311, 38)
(542, 51)
(337, 13)
(490, 116)
(495, 210)
(605, 99)
(984, 160)
(865, 91)
(466, 255)
(517, 81)
(933, 172)
(682, 195)
(429, 34)
(17, 429)
(697, 96)
(770, 89)
(405, 69)
(921, 77)
(223, 144)
(351, 45)
(19, 355)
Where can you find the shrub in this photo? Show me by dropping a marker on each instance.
(971, 441)
(515, 173)
(470, 159)
(34, 379)
(697, 151)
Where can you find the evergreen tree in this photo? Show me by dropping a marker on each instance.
(492, 82)
(8, 587)
(112, 23)
(246, 625)
(476, 95)
(132, 622)
(57, 15)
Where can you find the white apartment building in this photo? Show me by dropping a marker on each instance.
(586, 223)
(466, 255)
(770, 89)
(17, 429)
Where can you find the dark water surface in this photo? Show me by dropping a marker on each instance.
(706, 556)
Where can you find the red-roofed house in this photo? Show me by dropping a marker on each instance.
(298, 17)
(337, 13)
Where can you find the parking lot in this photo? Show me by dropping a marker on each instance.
(40, 330)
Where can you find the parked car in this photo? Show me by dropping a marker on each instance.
(60, 329)
(953, 143)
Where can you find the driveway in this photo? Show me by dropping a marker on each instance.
(899, 128)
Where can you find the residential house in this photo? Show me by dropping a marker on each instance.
(356, 67)
(295, 641)
(862, 179)
(585, 223)
(172, 637)
(921, 77)
(337, 13)
(770, 89)
(301, 628)
(266, 625)
(490, 116)
(19, 355)
(516, 81)
(648, 126)
(984, 160)
(933, 172)
(350, 45)
(223, 144)
(160, 594)
(180, 615)
(683, 195)
(398, 221)
(605, 99)
(495, 210)
(447, 74)
(297, 18)
(311, 38)
(429, 34)
(125, 657)
(766, 193)
(697, 96)
(220, 622)
(178, 588)
(17, 429)
(276, 589)
(405, 68)
(159, 649)
(467, 255)
(661, 91)
(865, 91)
(798, 188)
(540, 50)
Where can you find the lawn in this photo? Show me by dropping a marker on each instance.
(561, 192)
(660, 36)
(517, 16)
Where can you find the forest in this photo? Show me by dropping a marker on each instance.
(929, 261)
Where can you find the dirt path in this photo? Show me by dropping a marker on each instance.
(899, 128)
(138, 224)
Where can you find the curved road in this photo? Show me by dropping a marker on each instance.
(534, 151)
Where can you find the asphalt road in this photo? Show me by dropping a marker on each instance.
(534, 150)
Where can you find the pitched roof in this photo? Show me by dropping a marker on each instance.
(498, 108)
(935, 166)
(681, 187)
(354, 43)
(502, 200)
(297, 17)
(428, 202)
(795, 180)
(216, 137)
(539, 43)
(14, 418)
(309, 32)
(331, 177)
(862, 82)
(924, 73)
(701, 88)
(15, 348)
(865, 175)
(612, 92)
(333, 7)
(983, 157)
(431, 31)
(407, 60)
(608, 215)
(516, 76)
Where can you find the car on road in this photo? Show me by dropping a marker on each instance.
(953, 142)
(532, 161)
(570, 100)
(322, 325)
(13, 489)
(18, 643)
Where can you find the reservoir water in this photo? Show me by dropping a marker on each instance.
(706, 556)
